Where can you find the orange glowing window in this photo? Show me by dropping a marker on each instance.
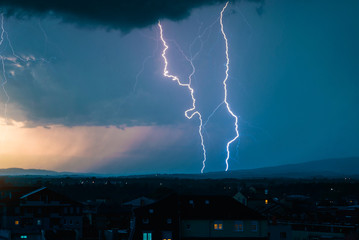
(218, 225)
(238, 226)
(266, 201)
(17, 222)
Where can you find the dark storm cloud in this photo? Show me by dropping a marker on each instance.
(80, 98)
(119, 14)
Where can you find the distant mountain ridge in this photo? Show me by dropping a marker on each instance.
(331, 168)
(339, 167)
(34, 172)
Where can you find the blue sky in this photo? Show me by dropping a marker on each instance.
(90, 95)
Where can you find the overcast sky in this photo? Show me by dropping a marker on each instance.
(87, 92)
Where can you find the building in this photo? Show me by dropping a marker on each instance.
(198, 217)
(38, 213)
(139, 202)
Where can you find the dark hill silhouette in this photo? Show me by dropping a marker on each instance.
(341, 167)
(35, 172)
(330, 168)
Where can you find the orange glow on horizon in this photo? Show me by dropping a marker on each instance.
(62, 148)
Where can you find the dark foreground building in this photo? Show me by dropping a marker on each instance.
(38, 213)
(198, 217)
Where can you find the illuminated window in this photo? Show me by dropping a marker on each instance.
(266, 201)
(38, 222)
(166, 235)
(17, 222)
(218, 225)
(238, 226)
(254, 226)
(23, 236)
(147, 236)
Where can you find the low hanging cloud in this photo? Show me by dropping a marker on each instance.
(113, 14)
(83, 85)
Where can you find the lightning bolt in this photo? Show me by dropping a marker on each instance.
(4, 82)
(189, 113)
(4, 79)
(213, 112)
(225, 87)
(6, 44)
(144, 63)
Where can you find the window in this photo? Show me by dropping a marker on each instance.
(266, 201)
(147, 236)
(218, 225)
(166, 235)
(206, 202)
(238, 226)
(17, 222)
(254, 226)
(150, 211)
(38, 222)
(169, 220)
(190, 202)
(23, 236)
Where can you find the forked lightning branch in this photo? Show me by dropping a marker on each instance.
(193, 111)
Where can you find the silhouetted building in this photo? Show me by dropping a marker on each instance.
(139, 202)
(198, 217)
(29, 213)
